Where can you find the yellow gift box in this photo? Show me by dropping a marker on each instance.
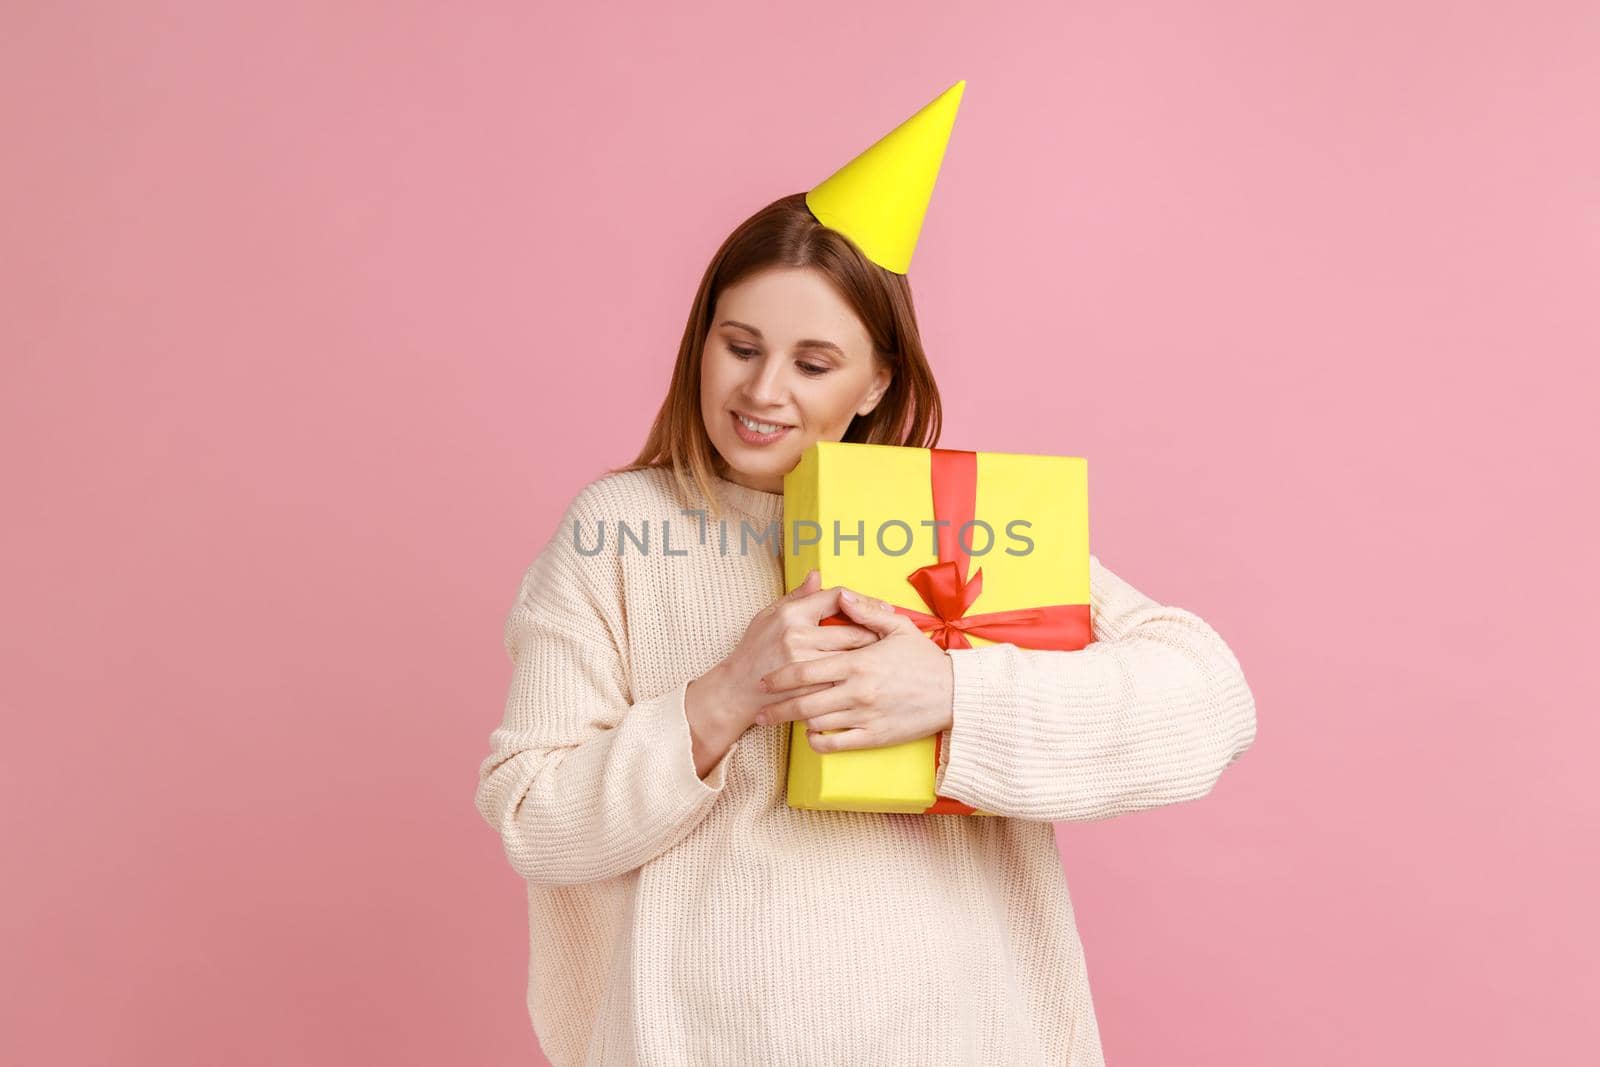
(977, 548)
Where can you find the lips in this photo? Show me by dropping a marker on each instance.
(751, 437)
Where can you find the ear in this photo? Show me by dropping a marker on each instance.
(880, 385)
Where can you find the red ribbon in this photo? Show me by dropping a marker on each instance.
(948, 593)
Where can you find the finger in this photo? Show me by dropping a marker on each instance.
(818, 604)
(871, 612)
(834, 698)
(812, 582)
(761, 713)
(797, 691)
(839, 741)
(808, 585)
(844, 636)
(833, 667)
(847, 719)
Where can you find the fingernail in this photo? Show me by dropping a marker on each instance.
(847, 596)
(886, 605)
(761, 718)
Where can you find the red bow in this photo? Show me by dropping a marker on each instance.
(1059, 626)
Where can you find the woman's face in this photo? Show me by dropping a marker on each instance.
(785, 350)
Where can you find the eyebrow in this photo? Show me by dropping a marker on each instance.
(807, 343)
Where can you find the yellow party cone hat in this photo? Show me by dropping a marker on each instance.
(879, 198)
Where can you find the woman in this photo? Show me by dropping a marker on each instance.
(680, 911)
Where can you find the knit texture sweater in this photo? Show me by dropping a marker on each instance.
(680, 920)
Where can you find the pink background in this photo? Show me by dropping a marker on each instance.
(314, 316)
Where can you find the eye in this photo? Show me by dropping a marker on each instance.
(811, 370)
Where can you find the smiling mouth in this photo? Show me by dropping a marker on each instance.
(757, 426)
(754, 432)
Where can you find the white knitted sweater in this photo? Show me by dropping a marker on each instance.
(679, 920)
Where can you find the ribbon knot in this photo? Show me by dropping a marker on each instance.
(949, 596)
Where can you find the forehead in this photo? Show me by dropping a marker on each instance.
(789, 303)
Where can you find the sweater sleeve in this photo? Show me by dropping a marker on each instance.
(1151, 712)
(582, 783)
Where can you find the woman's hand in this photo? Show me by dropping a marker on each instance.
(787, 631)
(898, 688)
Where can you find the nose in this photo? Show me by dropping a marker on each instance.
(765, 386)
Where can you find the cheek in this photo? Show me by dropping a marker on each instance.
(725, 370)
(833, 404)
(713, 379)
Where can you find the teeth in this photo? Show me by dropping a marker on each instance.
(760, 427)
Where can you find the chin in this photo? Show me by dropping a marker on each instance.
(766, 466)
(766, 469)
